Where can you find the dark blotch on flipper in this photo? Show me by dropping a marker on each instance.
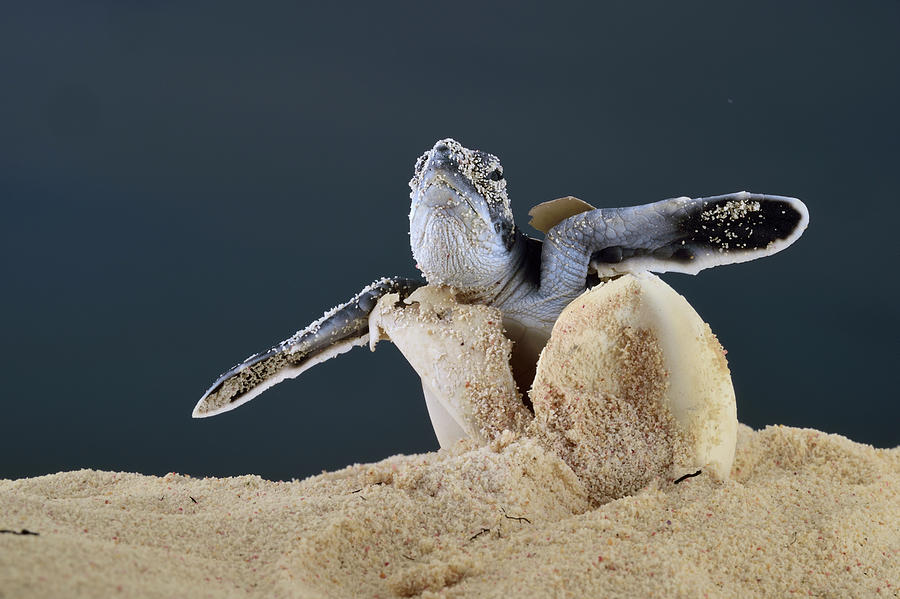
(610, 255)
(618, 253)
(683, 254)
(675, 252)
(716, 225)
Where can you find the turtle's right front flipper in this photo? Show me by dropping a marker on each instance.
(338, 331)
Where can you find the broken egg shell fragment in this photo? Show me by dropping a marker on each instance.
(633, 385)
(462, 356)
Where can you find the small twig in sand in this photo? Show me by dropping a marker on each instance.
(361, 488)
(23, 532)
(518, 518)
(686, 476)
(478, 534)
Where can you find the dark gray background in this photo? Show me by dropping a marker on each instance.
(184, 184)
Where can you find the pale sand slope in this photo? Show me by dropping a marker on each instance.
(806, 513)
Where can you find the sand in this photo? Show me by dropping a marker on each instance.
(593, 497)
(804, 514)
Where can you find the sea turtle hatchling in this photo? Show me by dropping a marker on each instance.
(463, 235)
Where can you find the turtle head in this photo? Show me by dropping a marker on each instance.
(460, 223)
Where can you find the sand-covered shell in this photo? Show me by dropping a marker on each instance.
(462, 356)
(633, 385)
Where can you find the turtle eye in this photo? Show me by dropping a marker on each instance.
(496, 175)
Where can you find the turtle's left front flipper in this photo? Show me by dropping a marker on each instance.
(338, 331)
(679, 235)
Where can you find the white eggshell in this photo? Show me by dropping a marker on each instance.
(633, 384)
(462, 356)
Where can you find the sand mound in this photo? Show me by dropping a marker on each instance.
(804, 513)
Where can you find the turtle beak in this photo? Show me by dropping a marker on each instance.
(440, 160)
(441, 151)
(442, 184)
